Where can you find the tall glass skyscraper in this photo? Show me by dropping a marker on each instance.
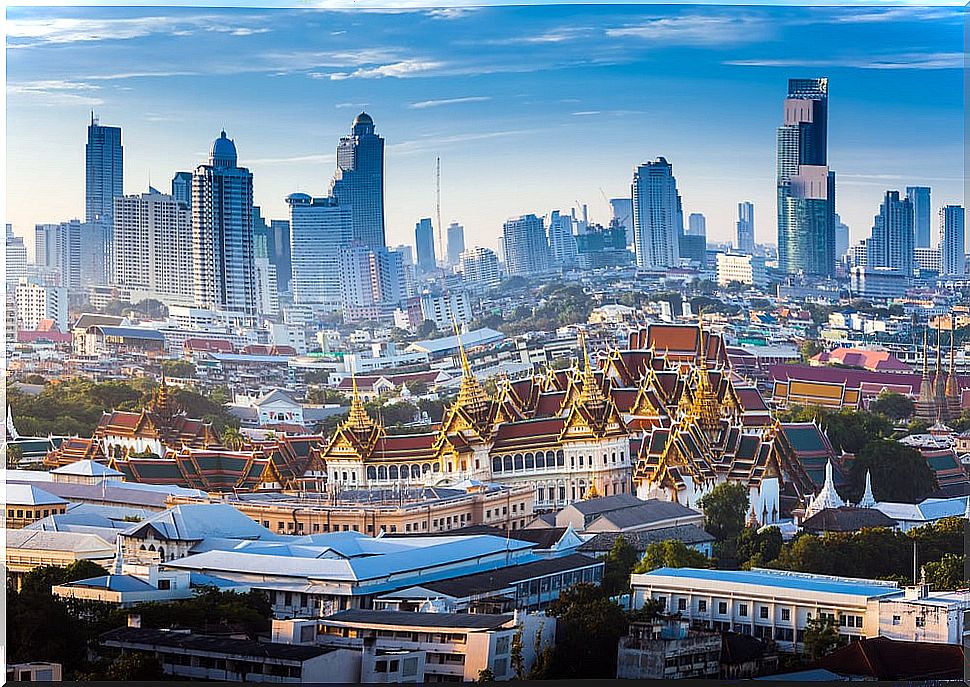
(320, 229)
(745, 241)
(104, 172)
(919, 196)
(222, 234)
(456, 242)
(359, 181)
(424, 243)
(696, 224)
(891, 244)
(953, 240)
(806, 186)
(658, 220)
(182, 188)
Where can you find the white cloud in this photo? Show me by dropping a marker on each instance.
(933, 60)
(452, 12)
(696, 30)
(872, 15)
(290, 160)
(344, 106)
(437, 142)
(424, 104)
(399, 70)
(54, 92)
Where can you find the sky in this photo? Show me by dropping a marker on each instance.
(530, 108)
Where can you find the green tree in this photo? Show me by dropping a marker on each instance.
(899, 473)
(671, 553)
(946, 574)
(133, 666)
(14, 455)
(426, 330)
(589, 627)
(486, 675)
(821, 637)
(892, 405)
(851, 431)
(516, 659)
(725, 508)
(178, 368)
(650, 610)
(233, 439)
(810, 348)
(757, 547)
(618, 564)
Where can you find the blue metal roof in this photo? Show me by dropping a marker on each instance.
(784, 580)
(132, 333)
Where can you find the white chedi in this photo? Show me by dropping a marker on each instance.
(867, 501)
(827, 498)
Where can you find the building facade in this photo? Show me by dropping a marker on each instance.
(525, 247)
(657, 216)
(744, 269)
(919, 197)
(745, 227)
(359, 181)
(891, 243)
(424, 243)
(456, 242)
(104, 172)
(320, 229)
(562, 240)
(953, 240)
(37, 301)
(480, 268)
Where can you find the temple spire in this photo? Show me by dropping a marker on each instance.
(828, 497)
(472, 397)
(867, 501)
(357, 419)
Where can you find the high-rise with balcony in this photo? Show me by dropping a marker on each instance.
(745, 240)
(182, 188)
(953, 240)
(359, 181)
(222, 234)
(320, 229)
(657, 216)
(524, 246)
(562, 240)
(891, 243)
(479, 268)
(806, 186)
(424, 243)
(919, 196)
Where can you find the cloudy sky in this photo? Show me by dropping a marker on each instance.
(530, 108)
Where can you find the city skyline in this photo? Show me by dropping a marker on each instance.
(507, 147)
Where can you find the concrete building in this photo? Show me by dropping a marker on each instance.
(182, 188)
(446, 309)
(657, 216)
(562, 240)
(525, 247)
(891, 244)
(320, 230)
(745, 228)
(37, 302)
(372, 282)
(929, 261)
(424, 243)
(668, 650)
(744, 269)
(883, 283)
(696, 224)
(480, 268)
(359, 181)
(153, 248)
(29, 548)
(104, 171)
(919, 197)
(26, 503)
(953, 240)
(57, 248)
(16, 257)
(34, 672)
(456, 242)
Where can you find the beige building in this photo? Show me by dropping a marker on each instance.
(26, 503)
(27, 549)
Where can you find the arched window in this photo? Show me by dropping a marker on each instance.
(507, 463)
(496, 464)
(416, 471)
(382, 472)
(371, 472)
(161, 553)
(142, 547)
(392, 472)
(426, 468)
(518, 461)
(530, 461)
(560, 458)
(151, 548)
(436, 467)
(540, 460)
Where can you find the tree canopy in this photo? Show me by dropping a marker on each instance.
(671, 553)
(892, 405)
(725, 508)
(899, 473)
(619, 563)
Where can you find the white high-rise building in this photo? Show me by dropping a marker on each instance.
(267, 291)
(657, 218)
(479, 268)
(16, 257)
(222, 234)
(372, 282)
(319, 230)
(953, 240)
(57, 248)
(562, 240)
(525, 246)
(153, 248)
(37, 301)
(744, 269)
(446, 309)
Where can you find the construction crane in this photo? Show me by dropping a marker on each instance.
(621, 220)
(437, 209)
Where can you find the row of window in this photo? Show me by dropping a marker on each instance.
(764, 612)
(20, 513)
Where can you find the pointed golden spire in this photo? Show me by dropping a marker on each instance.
(592, 395)
(357, 419)
(472, 397)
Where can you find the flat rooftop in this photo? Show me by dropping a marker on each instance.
(469, 621)
(185, 642)
(783, 579)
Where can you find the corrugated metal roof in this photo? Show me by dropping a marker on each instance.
(783, 580)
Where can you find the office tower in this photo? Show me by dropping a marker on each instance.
(424, 243)
(562, 240)
(182, 188)
(919, 196)
(841, 237)
(222, 234)
(16, 257)
(480, 268)
(456, 242)
(806, 186)
(693, 248)
(891, 243)
(57, 247)
(407, 253)
(372, 282)
(622, 209)
(696, 224)
(657, 216)
(953, 240)
(103, 171)
(260, 234)
(97, 253)
(359, 180)
(524, 246)
(745, 241)
(37, 301)
(319, 230)
(153, 248)
(278, 249)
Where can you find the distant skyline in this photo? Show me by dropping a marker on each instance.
(530, 108)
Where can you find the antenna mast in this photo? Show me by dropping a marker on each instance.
(437, 209)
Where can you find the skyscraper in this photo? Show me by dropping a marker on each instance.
(222, 233)
(953, 240)
(696, 224)
(562, 240)
(16, 257)
(372, 282)
(359, 180)
(745, 241)
(320, 229)
(919, 196)
(891, 244)
(622, 212)
(57, 247)
(278, 249)
(806, 186)
(182, 188)
(657, 216)
(153, 248)
(480, 268)
(841, 237)
(424, 243)
(524, 246)
(456, 242)
(104, 171)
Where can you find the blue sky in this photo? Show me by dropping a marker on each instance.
(531, 108)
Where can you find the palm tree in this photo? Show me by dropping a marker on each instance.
(233, 439)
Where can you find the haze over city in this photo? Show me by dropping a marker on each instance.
(529, 108)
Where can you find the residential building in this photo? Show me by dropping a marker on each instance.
(745, 227)
(891, 243)
(267, 296)
(16, 257)
(929, 261)
(806, 186)
(424, 243)
(57, 247)
(884, 283)
(153, 248)
(479, 268)
(525, 247)
(372, 282)
(562, 240)
(222, 234)
(182, 188)
(622, 213)
(744, 269)
(37, 302)
(446, 309)
(657, 216)
(668, 649)
(696, 224)
(456, 242)
(919, 198)
(359, 181)
(953, 240)
(319, 231)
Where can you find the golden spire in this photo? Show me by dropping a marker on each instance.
(705, 406)
(591, 492)
(592, 394)
(472, 397)
(357, 419)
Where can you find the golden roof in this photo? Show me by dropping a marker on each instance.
(358, 420)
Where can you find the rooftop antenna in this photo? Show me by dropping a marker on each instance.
(437, 208)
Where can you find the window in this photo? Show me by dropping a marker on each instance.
(662, 600)
(920, 621)
(763, 612)
(897, 620)
(410, 667)
(722, 607)
(380, 667)
(786, 614)
(500, 667)
(164, 584)
(702, 606)
(743, 610)
(392, 667)
(681, 604)
(502, 645)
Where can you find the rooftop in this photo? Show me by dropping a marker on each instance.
(86, 468)
(193, 643)
(29, 495)
(782, 579)
(463, 621)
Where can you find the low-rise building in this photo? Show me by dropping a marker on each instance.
(27, 549)
(38, 671)
(668, 649)
(27, 503)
